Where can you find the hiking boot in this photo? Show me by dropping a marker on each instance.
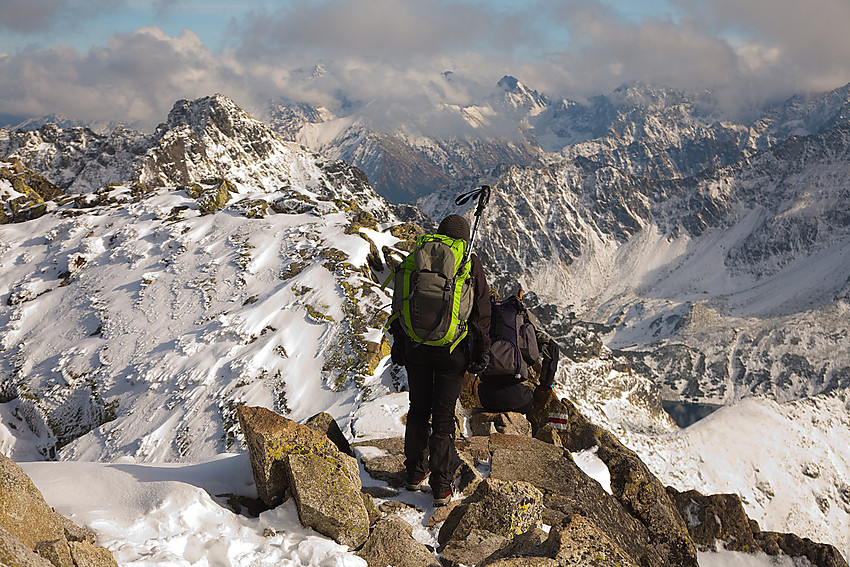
(443, 497)
(416, 483)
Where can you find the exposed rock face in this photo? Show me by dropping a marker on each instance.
(578, 541)
(507, 509)
(325, 424)
(720, 518)
(474, 549)
(23, 193)
(567, 491)
(328, 500)
(508, 423)
(292, 459)
(392, 543)
(34, 534)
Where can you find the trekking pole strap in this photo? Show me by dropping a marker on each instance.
(483, 195)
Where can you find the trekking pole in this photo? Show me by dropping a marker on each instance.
(483, 194)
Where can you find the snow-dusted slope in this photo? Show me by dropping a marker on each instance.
(730, 283)
(143, 316)
(789, 463)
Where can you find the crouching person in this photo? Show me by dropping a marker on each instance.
(517, 342)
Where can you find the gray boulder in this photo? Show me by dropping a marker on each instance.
(327, 499)
(13, 552)
(473, 549)
(325, 424)
(720, 518)
(271, 438)
(578, 542)
(33, 533)
(392, 543)
(292, 459)
(504, 508)
(567, 490)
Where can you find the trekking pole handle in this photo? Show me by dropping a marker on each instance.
(483, 199)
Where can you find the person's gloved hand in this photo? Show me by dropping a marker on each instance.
(479, 362)
(397, 352)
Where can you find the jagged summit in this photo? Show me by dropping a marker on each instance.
(520, 96)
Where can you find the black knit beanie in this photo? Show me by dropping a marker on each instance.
(455, 226)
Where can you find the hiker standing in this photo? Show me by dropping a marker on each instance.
(518, 342)
(436, 361)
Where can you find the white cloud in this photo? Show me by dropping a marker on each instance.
(392, 53)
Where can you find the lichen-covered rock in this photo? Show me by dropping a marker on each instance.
(23, 193)
(14, 552)
(325, 424)
(476, 547)
(715, 518)
(34, 534)
(271, 438)
(56, 551)
(720, 518)
(818, 554)
(327, 499)
(577, 542)
(392, 543)
(502, 507)
(214, 198)
(567, 490)
(23, 511)
(87, 555)
(645, 497)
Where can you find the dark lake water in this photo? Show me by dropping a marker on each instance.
(688, 413)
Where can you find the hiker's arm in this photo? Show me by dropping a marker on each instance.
(479, 320)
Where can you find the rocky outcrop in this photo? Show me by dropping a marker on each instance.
(721, 519)
(23, 193)
(533, 482)
(289, 459)
(392, 543)
(34, 534)
(507, 509)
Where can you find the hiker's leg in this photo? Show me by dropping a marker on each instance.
(420, 379)
(447, 383)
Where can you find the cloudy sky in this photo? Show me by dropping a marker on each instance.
(130, 60)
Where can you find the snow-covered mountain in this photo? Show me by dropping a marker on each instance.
(211, 263)
(136, 312)
(640, 129)
(722, 285)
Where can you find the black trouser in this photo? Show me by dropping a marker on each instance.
(498, 394)
(434, 376)
(504, 393)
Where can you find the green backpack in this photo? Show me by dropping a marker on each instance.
(432, 291)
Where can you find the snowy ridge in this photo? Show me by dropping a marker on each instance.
(164, 317)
